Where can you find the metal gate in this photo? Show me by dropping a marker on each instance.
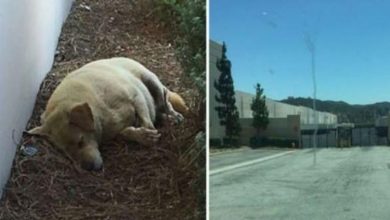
(364, 136)
(323, 139)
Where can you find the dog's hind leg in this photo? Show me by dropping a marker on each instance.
(172, 113)
(161, 96)
(156, 89)
(143, 112)
(141, 135)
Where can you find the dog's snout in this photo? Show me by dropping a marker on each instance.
(92, 165)
(89, 157)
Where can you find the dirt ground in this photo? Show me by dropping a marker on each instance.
(160, 182)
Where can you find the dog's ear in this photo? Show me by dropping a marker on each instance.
(81, 116)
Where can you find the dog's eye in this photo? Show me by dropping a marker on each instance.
(80, 144)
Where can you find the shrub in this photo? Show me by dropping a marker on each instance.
(256, 142)
(187, 19)
(231, 142)
(215, 142)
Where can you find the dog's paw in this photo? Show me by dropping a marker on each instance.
(173, 118)
(147, 136)
(176, 118)
(179, 118)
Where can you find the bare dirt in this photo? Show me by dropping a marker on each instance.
(159, 182)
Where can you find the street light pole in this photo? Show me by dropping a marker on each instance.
(311, 48)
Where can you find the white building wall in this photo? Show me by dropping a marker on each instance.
(215, 129)
(29, 31)
(282, 110)
(243, 101)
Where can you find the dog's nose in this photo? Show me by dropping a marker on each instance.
(91, 166)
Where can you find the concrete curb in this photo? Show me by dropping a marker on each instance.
(230, 151)
(248, 163)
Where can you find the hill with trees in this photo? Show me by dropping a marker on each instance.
(358, 114)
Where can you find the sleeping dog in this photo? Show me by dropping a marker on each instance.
(166, 101)
(102, 100)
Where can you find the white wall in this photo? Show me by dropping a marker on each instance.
(29, 31)
(281, 110)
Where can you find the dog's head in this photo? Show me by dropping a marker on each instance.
(72, 130)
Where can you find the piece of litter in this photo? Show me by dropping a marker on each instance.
(28, 150)
(85, 7)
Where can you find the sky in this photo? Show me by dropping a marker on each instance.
(267, 43)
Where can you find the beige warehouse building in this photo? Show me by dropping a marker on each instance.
(286, 121)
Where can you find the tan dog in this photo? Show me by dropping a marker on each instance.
(166, 101)
(98, 102)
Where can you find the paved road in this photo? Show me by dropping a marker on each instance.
(349, 184)
(223, 159)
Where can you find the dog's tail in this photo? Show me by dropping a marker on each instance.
(178, 103)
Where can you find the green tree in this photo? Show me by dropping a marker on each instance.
(259, 111)
(227, 110)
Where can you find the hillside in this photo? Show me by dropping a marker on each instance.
(358, 114)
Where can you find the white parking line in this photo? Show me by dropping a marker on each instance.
(247, 163)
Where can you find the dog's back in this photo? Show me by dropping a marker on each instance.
(152, 82)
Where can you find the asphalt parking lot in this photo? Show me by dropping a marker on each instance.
(350, 183)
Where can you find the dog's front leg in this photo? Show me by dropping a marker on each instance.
(141, 135)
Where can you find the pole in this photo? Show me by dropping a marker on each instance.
(311, 48)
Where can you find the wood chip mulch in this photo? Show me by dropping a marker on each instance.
(159, 182)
